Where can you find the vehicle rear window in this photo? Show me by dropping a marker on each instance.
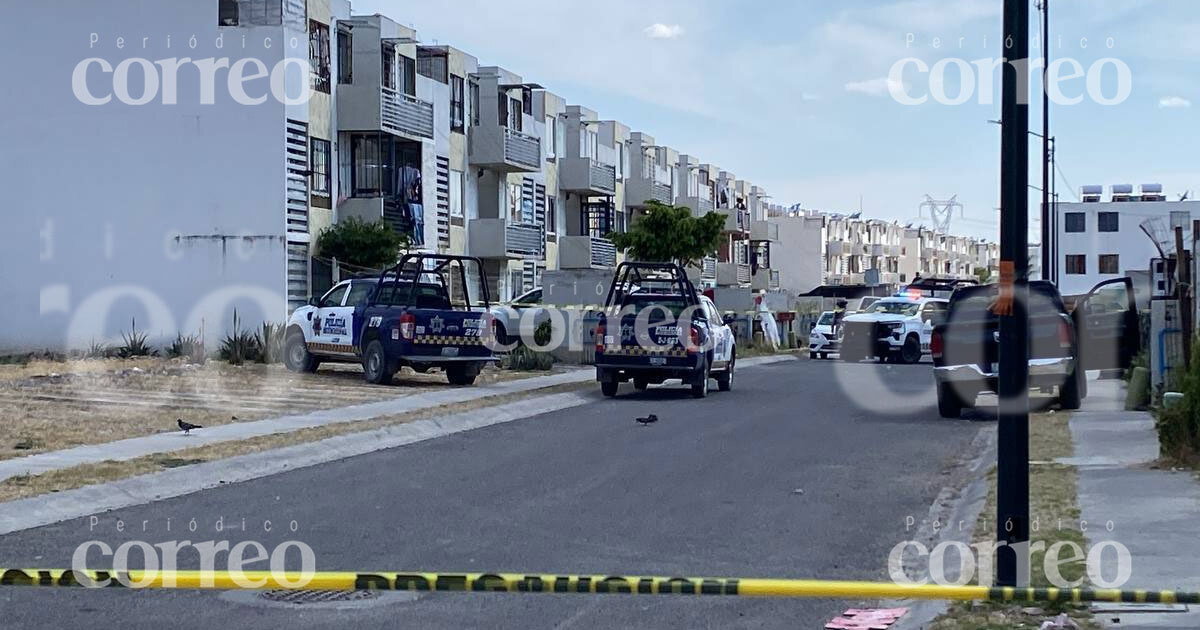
(976, 304)
(426, 295)
(674, 303)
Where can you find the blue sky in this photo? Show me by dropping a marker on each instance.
(792, 95)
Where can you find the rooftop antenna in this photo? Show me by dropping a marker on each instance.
(941, 211)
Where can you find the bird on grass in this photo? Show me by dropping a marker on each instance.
(648, 420)
(187, 426)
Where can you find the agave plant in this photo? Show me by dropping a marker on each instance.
(240, 345)
(270, 342)
(190, 347)
(134, 343)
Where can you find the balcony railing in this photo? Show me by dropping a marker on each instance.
(401, 114)
(764, 231)
(708, 268)
(661, 192)
(522, 148)
(765, 279)
(523, 240)
(733, 274)
(586, 252)
(587, 176)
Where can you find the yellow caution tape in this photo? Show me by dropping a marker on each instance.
(559, 583)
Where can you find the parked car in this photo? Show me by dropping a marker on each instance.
(823, 338)
(404, 317)
(1101, 333)
(894, 329)
(507, 317)
(682, 335)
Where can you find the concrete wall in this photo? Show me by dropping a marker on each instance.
(170, 213)
(798, 254)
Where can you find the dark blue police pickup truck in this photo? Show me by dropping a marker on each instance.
(417, 314)
(656, 327)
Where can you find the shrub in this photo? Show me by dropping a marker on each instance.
(98, 350)
(524, 358)
(1179, 426)
(189, 347)
(240, 345)
(270, 343)
(134, 344)
(362, 244)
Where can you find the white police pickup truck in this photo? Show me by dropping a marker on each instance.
(895, 329)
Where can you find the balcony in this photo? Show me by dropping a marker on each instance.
(765, 279)
(497, 238)
(698, 205)
(505, 150)
(639, 190)
(404, 115)
(586, 252)
(587, 176)
(762, 231)
(733, 274)
(736, 221)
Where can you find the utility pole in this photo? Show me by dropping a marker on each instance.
(1044, 5)
(1012, 469)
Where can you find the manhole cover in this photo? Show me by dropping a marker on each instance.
(299, 598)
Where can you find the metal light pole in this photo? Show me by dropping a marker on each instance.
(1012, 470)
(1044, 5)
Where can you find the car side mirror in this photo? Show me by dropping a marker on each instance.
(812, 326)
(728, 318)
(314, 301)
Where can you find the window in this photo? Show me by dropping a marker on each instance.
(345, 56)
(620, 160)
(514, 115)
(514, 202)
(527, 100)
(457, 104)
(1110, 263)
(589, 142)
(388, 76)
(432, 64)
(358, 293)
(1076, 264)
(320, 172)
(456, 193)
(1075, 222)
(227, 13)
(335, 295)
(550, 138)
(1108, 222)
(408, 75)
(552, 215)
(318, 54)
(474, 94)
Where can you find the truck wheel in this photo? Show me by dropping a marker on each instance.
(375, 365)
(462, 373)
(950, 404)
(700, 387)
(296, 355)
(911, 351)
(609, 388)
(1069, 397)
(725, 379)
(640, 384)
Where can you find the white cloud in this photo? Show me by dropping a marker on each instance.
(874, 87)
(663, 31)
(1174, 101)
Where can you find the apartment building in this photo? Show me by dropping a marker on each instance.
(1099, 239)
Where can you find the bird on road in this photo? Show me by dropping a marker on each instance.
(187, 426)
(648, 420)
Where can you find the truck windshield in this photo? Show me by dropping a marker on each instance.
(826, 319)
(894, 308)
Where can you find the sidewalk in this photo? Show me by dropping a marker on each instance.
(1152, 512)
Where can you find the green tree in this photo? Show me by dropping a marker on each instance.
(364, 244)
(671, 234)
(983, 274)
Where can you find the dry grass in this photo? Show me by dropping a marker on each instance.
(1052, 499)
(52, 405)
(24, 486)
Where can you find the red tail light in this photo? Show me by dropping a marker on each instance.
(408, 326)
(936, 344)
(1064, 335)
(600, 332)
(693, 339)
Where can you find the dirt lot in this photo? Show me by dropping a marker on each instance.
(51, 405)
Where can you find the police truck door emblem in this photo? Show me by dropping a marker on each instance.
(436, 324)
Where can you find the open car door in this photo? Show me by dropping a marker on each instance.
(1106, 325)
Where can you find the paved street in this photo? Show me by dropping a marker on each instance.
(711, 489)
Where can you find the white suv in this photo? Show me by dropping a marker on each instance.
(895, 329)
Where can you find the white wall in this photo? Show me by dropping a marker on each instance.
(1129, 242)
(798, 255)
(99, 194)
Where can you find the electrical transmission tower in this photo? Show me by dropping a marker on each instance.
(941, 211)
